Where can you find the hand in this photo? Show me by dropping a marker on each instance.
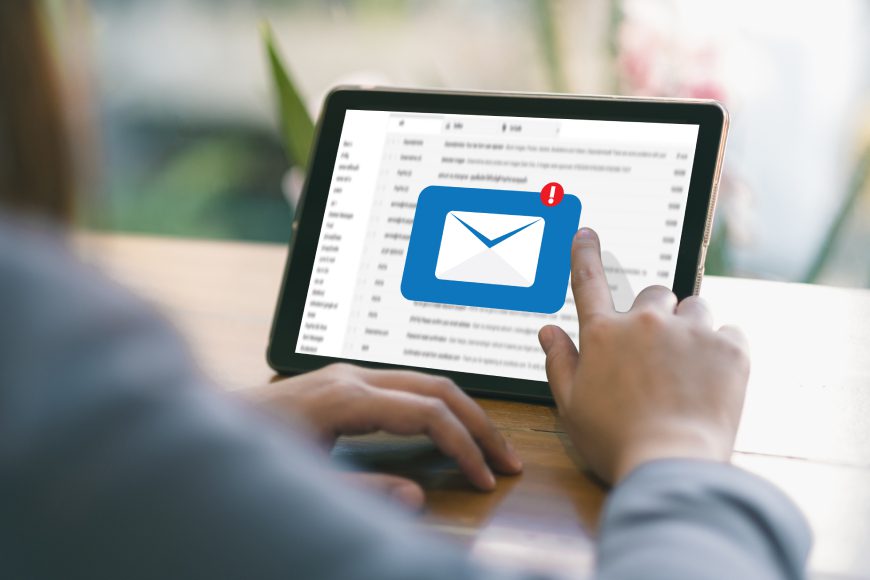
(343, 399)
(656, 382)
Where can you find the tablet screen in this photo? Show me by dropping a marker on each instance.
(445, 237)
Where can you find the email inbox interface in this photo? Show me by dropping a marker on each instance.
(416, 266)
(499, 249)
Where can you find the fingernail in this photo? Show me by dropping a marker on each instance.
(408, 496)
(486, 480)
(516, 462)
(584, 234)
(545, 337)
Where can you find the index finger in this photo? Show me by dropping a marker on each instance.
(591, 292)
(404, 413)
(491, 441)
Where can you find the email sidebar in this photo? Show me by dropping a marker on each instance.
(490, 248)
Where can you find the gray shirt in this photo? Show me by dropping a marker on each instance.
(118, 460)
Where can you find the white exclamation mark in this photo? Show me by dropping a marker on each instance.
(552, 195)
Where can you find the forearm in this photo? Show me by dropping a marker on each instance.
(680, 519)
(118, 461)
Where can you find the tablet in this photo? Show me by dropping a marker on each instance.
(435, 228)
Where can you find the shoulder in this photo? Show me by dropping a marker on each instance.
(39, 270)
(37, 263)
(29, 249)
(50, 300)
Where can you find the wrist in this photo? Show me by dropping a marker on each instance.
(694, 443)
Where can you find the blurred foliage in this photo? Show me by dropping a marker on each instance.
(297, 127)
(179, 172)
(718, 262)
(217, 182)
(222, 185)
(615, 20)
(859, 184)
(548, 39)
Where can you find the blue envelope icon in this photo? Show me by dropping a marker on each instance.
(490, 248)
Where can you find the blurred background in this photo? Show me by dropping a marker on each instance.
(177, 127)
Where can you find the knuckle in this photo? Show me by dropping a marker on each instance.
(739, 353)
(661, 294)
(698, 334)
(651, 320)
(350, 389)
(339, 369)
(596, 327)
(445, 387)
(694, 301)
(735, 352)
(583, 273)
(435, 409)
(341, 377)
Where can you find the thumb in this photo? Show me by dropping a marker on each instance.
(562, 360)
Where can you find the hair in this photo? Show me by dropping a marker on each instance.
(35, 164)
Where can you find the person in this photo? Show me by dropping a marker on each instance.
(119, 460)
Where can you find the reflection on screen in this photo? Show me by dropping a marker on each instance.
(632, 180)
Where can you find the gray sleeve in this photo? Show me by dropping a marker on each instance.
(702, 520)
(118, 461)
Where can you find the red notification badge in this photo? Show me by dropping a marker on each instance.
(552, 194)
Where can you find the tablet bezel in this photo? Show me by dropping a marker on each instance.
(710, 116)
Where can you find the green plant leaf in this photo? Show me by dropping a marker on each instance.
(547, 31)
(297, 127)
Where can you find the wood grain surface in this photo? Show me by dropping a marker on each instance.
(806, 426)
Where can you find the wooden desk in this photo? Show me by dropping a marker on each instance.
(806, 426)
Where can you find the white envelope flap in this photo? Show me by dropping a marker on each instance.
(503, 249)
